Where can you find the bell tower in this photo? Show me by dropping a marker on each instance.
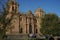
(12, 6)
(12, 10)
(39, 14)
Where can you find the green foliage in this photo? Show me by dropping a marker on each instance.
(50, 24)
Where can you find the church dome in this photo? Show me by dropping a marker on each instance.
(29, 12)
(39, 10)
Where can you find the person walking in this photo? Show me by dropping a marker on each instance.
(51, 38)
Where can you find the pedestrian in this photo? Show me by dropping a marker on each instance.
(51, 38)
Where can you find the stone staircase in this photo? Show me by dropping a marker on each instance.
(17, 37)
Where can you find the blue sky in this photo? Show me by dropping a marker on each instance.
(47, 5)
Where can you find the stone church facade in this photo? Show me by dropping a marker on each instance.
(21, 23)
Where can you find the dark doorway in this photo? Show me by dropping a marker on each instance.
(30, 28)
(20, 30)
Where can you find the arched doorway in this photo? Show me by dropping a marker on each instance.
(30, 28)
(20, 29)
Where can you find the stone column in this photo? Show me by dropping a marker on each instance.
(32, 23)
(24, 24)
(28, 21)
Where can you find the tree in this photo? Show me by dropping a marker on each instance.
(3, 21)
(50, 24)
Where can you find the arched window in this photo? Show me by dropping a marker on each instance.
(20, 30)
(20, 18)
(30, 28)
(12, 8)
(36, 30)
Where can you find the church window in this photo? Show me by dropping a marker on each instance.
(13, 9)
(35, 20)
(20, 18)
(36, 30)
(30, 28)
(20, 29)
(13, 3)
